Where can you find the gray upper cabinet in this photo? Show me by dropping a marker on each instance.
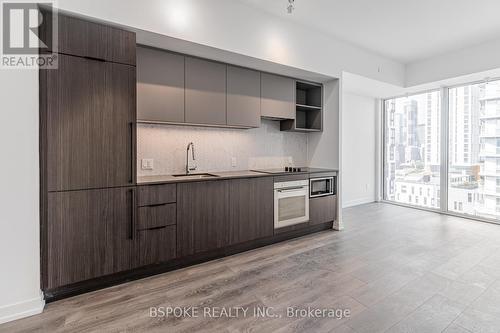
(205, 92)
(160, 86)
(175, 88)
(243, 97)
(278, 97)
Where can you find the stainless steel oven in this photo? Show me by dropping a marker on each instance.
(319, 187)
(291, 203)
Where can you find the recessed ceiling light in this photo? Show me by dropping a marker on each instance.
(290, 7)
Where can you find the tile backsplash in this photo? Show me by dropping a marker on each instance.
(215, 148)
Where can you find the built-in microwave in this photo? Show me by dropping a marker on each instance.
(319, 187)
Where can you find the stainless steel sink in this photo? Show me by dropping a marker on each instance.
(196, 176)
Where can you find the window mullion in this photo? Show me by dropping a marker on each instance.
(444, 149)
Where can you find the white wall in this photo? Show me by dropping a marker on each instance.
(323, 148)
(19, 195)
(236, 27)
(470, 60)
(359, 167)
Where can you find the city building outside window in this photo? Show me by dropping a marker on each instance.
(412, 157)
(474, 136)
(413, 149)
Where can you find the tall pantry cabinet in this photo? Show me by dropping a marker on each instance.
(87, 154)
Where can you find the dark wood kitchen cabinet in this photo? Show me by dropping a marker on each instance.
(90, 234)
(251, 213)
(278, 96)
(202, 216)
(88, 205)
(156, 216)
(205, 92)
(88, 39)
(243, 97)
(214, 214)
(160, 86)
(322, 209)
(156, 194)
(156, 245)
(90, 124)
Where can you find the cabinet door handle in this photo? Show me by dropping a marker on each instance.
(133, 213)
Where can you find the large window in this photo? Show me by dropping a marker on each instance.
(412, 149)
(474, 150)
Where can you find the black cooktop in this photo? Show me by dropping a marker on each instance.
(284, 170)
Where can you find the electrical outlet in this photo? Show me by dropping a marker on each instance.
(233, 162)
(147, 164)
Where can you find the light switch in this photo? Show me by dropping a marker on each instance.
(233, 162)
(147, 164)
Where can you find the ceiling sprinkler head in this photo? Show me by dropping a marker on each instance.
(290, 7)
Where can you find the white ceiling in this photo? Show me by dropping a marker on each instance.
(403, 30)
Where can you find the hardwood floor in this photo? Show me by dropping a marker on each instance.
(396, 270)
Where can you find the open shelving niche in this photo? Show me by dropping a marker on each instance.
(308, 109)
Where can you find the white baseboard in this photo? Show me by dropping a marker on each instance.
(357, 202)
(22, 309)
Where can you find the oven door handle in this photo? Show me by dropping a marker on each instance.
(291, 189)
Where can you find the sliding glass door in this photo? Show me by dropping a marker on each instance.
(412, 149)
(474, 150)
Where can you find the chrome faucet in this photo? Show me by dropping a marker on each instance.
(190, 167)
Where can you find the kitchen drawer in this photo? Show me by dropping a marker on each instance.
(156, 216)
(322, 209)
(157, 245)
(156, 194)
